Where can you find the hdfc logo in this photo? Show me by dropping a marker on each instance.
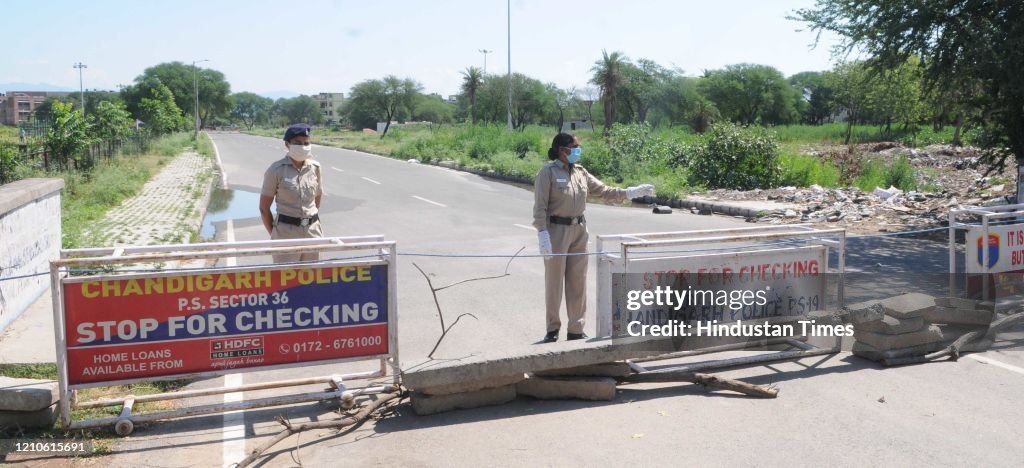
(236, 347)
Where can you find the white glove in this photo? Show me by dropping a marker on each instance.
(544, 244)
(640, 191)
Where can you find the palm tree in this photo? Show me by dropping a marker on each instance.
(608, 76)
(472, 79)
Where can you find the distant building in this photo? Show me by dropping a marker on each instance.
(17, 106)
(330, 105)
(574, 125)
(454, 98)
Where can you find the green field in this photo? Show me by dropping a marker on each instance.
(632, 156)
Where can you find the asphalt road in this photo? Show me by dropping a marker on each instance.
(834, 410)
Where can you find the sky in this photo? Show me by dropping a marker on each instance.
(314, 46)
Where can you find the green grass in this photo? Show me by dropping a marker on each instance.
(876, 173)
(48, 371)
(804, 171)
(835, 133)
(522, 153)
(8, 134)
(88, 195)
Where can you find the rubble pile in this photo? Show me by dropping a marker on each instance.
(950, 178)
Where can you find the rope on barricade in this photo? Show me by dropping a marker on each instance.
(463, 255)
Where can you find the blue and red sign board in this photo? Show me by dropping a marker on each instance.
(166, 325)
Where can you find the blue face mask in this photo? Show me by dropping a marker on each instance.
(574, 155)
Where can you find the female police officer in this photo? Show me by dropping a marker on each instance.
(296, 184)
(560, 196)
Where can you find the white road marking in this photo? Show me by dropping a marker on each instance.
(1000, 364)
(370, 180)
(430, 201)
(525, 227)
(233, 435)
(339, 170)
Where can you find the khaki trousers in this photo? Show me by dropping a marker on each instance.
(570, 271)
(291, 231)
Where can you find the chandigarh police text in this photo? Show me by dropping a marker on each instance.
(245, 321)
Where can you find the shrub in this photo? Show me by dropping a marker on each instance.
(736, 157)
(804, 171)
(875, 173)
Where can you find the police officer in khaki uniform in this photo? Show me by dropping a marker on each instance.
(560, 196)
(296, 183)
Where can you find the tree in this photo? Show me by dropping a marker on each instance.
(433, 109)
(677, 99)
(69, 131)
(472, 79)
(981, 40)
(815, 104)
(608, 76)
(748, 93)
(251, 108)
(214, 90)
(895, 95)
(111, 121)
(381, 101)
(159, 112)
(299, 109)
(851, 87)
(641, 85)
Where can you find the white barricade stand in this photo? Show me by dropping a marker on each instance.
(116, 328)
(1003, 252)
(756, 251)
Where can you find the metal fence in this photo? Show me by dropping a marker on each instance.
(38, 156)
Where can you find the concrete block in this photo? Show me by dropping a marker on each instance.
(932, 334)
(531, 358)
(987, 305)
(891, 325)
(950, 315)
(943, 301)
(868, 311)
(472, 385)
(565, 388)
(958, 302)
(608, 369)
(869, 352)
(908, 305)
(26, 394)
(43, 418)
(427, 404)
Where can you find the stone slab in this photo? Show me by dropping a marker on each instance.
(427, 404)
(531, 358)
(43, 418)
(869, 352)
(568, 388)
(932, 334)
(986, 305)
(867, 311)
(908, 305)
(891, 325)
(472, 385)
(22, 192)
(958, 302)
(27, 394)
(608, 369)
(953, 316)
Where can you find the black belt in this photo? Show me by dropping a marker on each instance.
(568, 221)
(283, 218)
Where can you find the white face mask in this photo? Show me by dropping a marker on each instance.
(299, 152)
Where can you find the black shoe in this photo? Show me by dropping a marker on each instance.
(551, 337)
(576, 336)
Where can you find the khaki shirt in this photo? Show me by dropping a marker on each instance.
(557, 192)
(294, 190)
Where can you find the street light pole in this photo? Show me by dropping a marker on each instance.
(81, 89)
(508, 6)
(485, 52)
(195, 87)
